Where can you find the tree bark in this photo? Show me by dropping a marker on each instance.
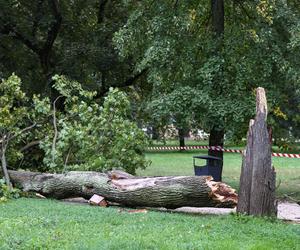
(120, 187)
(258, 178)
(181, 134)
(4, 167)
(216, 138)
(217, 9)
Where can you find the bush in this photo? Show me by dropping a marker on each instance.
(6, 193)
(79, 133)
(94, 137)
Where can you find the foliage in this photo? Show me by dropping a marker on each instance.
(6, 193)
(17, 118)
(93, 137)
(12, 109)
(88, 136)
(43, 38)
(49, 224)
(212, 81)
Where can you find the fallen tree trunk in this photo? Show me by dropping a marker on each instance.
(168, 192)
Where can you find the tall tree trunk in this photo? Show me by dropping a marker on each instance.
(258, 177)
(217, 9)
(155, 133)
(216, 138)
(181, 134)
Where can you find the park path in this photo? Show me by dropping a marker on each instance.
(287, 211)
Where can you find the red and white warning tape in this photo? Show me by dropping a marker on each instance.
(216, 148)
(286, 155)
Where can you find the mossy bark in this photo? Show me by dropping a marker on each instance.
(168, 192)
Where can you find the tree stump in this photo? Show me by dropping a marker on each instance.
(258, 177)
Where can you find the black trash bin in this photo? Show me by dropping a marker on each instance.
(213, 167)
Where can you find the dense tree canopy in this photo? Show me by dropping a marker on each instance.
(193, 64)
(199, 76)
(41, 38)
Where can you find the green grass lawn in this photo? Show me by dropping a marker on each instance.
(48, 224)
(181, 163)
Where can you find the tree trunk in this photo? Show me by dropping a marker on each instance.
(155, 133)
(217, 9)
(181, 134)
(258, 178)
(216, 138)
(168, 192)
(4, 168)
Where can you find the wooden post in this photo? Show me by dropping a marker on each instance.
(258, 178)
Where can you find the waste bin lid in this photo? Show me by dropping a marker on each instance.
(207, 157)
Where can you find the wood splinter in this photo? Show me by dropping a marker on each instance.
(98, 200)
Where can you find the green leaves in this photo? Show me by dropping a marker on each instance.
(6, 193)
(88, 136)
(259, 48)
(94, 137)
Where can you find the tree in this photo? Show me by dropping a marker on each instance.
(258, 177)
(15, 118)
(42, 38)
(187, 47)
(88, 136)
(84, 136)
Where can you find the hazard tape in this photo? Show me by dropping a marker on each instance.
(216, 148)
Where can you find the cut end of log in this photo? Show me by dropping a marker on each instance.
(98, 200)
(223, 194)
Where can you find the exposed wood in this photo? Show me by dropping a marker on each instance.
(258, 178)
(98, 200)
(169, 192)
(40, 196)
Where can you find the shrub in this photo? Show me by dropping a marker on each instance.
(80, 134)
(93, 137)
(6, 193)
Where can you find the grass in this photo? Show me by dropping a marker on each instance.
(181, 163)
(48, 224)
